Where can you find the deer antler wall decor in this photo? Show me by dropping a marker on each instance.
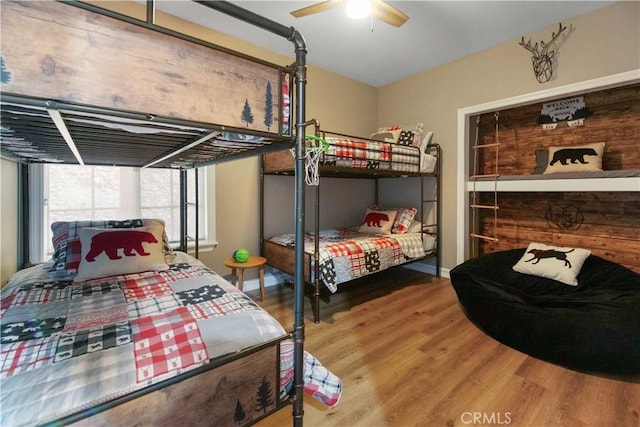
(543, 59)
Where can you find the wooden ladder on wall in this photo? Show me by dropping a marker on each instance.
(475, 206)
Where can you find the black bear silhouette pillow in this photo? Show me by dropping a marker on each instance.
(118, 251)
(583, 158)
(553, 262)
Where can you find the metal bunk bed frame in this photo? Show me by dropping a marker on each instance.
(357, 173)
(316, 296)
(299, 75)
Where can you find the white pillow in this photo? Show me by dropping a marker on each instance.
(583, 158)
(389, 136)
(415, 227)
(118, 251)
(424, 142)
(378, 221)
(427, 161)
(553, 262)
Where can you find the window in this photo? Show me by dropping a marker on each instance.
(72, 192)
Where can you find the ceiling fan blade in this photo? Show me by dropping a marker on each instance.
(316, 8)
(387, 13)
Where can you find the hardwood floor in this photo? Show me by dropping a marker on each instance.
(408, 356)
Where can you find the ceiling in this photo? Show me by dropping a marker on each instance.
(376, 53)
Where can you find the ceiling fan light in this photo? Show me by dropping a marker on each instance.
(358, 9)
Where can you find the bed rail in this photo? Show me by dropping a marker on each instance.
(55, 102)
(356, 157)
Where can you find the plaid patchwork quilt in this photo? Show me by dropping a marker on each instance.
(352, 153)
(66, 346)
(346, 254)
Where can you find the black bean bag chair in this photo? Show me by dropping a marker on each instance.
(593, 327)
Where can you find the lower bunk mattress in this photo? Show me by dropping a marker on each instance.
(346, 254)
(69, 346)
(592, 327)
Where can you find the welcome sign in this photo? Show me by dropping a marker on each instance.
(567, 112)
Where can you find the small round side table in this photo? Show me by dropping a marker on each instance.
(239, 267)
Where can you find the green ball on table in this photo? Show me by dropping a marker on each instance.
(241, 255)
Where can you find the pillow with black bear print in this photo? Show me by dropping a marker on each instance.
(580, 158)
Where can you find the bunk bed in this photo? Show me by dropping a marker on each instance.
(337, 256)
(85, 85)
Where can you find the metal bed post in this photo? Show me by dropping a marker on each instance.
(421, 214)
(316, 239)
(298, 333)
(151, 11)
(261, 195)
(316, 258)
(438, 210)
(24, 209)
(297, 39)
(196, 206)
(183, 210)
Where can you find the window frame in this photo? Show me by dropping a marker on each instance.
(38, 201)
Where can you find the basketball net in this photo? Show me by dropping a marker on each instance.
(314, 148)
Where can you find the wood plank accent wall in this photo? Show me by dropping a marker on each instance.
(610, 221)
(615, 120)
(610, 226)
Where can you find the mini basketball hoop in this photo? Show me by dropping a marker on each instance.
(314, 148)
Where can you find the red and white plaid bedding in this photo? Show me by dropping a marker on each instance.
(65, 346)
(346, 254)
(353, 153)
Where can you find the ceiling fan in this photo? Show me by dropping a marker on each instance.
(378, 8)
